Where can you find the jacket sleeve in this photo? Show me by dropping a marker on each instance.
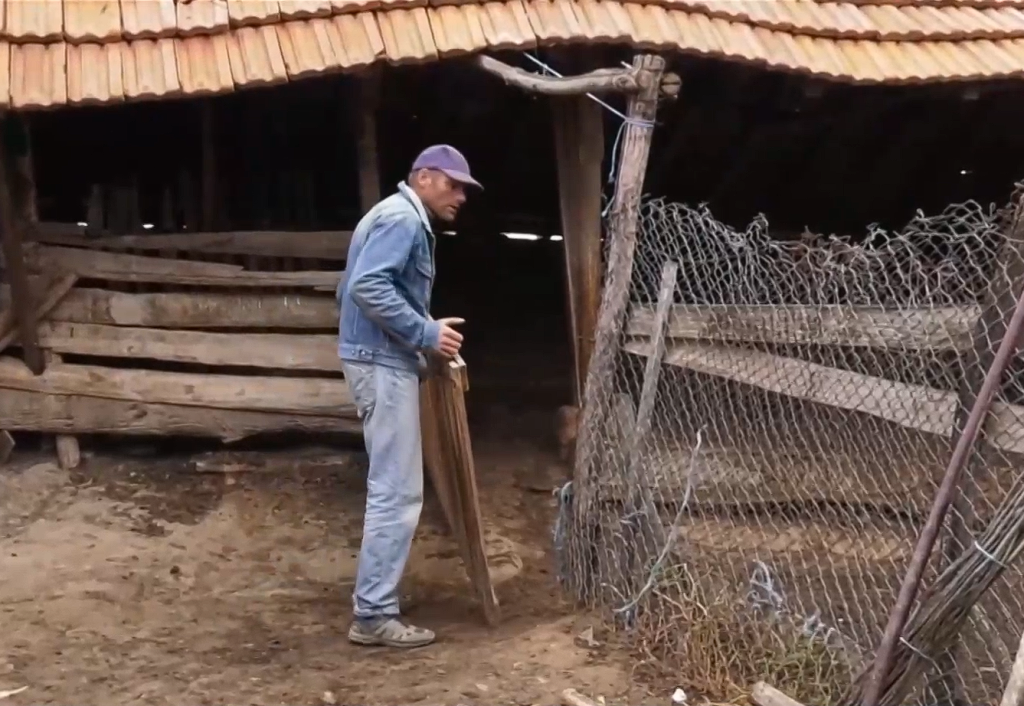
(371, 283)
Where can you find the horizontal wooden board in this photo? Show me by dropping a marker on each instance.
(322, 244)
(316, 396)
(122, 267)
(912, 406)
(913, 329)
(25, 410)
(101, 306)
(257, 350)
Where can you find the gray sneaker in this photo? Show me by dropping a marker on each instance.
(389, 632)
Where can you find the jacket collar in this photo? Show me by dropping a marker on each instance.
(421, 211)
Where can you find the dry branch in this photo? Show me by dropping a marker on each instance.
(274, 351)
(121, 267)
(915, 329)
(6, 446)
(75, 414)
(599, 81)
(915, 407)
(321, 397)
(765, 695)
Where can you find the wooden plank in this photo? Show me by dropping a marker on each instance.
(447, 438)
(267, 311)
(912, 329)
(273, 351)
(316, 396)
(122, 267)
(915, 407)
(52, 292)
(321, 245)
(22, 410)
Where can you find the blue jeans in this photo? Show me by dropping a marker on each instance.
(388, 403)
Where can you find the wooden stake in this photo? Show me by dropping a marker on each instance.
(623, 227)
(6, 446)
(765, 695)
(69, 455)
(366, 139)
(579, 150)
(22, 303)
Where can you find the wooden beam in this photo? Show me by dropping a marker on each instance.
(272, 351)
(208, 174)
(22, 410)
(318, 245)
(315, 396)
(122, 267)
(579, 151)
(22, 302)
(195, 310)
(917, 407)
(947, 328)
(52, 292)
(367, 159)
(599, 81)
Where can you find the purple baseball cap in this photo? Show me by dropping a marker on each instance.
(446, 159)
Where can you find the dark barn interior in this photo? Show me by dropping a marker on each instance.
(832, 158)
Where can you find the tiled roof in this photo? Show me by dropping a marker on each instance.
(72, 52)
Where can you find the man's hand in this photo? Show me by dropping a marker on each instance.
(449, 341)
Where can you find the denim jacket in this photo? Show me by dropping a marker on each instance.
(385, 295)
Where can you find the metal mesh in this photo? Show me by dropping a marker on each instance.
(746, 505)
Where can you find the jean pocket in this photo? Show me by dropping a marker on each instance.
(361, 384)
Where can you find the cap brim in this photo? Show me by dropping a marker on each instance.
(462, 178)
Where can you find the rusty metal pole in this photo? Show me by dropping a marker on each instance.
(943, 499)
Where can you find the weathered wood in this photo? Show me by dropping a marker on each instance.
(623, 227)
(579, 151)
(646, 538)
(947, 328)
(571, 697)
(75, 414)
(1013, 695)
(322, 245)
(69, 454)
(121, 267)
(101, 306)
(53, 290)
(915, 407)
(446, 438)
(366, 139)
(315, 396)
(273, 351)
(208, 169)
(599, 81)
(764, 695)
(6, 445)
(23, 303)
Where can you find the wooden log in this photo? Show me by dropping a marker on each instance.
(22, 410)
(6, 445)
(158, 310)
(69, 454)
(273, 351)
(623, 227)
(454, 473)
(764, 695)
(121, 267)
(52, 292)
(915, 407)
(321, 245)
(316, 396)
(599, 81)
(23, 303)
(947, 328)
(645, 541)
(579, 151)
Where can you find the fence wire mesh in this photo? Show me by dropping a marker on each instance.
(750, 483)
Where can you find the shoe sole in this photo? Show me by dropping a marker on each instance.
(374, 641)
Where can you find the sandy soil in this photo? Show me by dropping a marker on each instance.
(144, 581)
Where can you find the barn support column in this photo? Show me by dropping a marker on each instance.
(208, 175)
(579, 152)
(365, 115)
(14, 146)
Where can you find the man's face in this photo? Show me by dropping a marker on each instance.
(442, 196)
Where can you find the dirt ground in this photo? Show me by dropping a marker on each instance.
(142, 580)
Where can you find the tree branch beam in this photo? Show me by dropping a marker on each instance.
(599, 81)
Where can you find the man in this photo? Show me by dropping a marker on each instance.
(385, 330)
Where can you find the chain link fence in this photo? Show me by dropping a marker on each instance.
(765, 447)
